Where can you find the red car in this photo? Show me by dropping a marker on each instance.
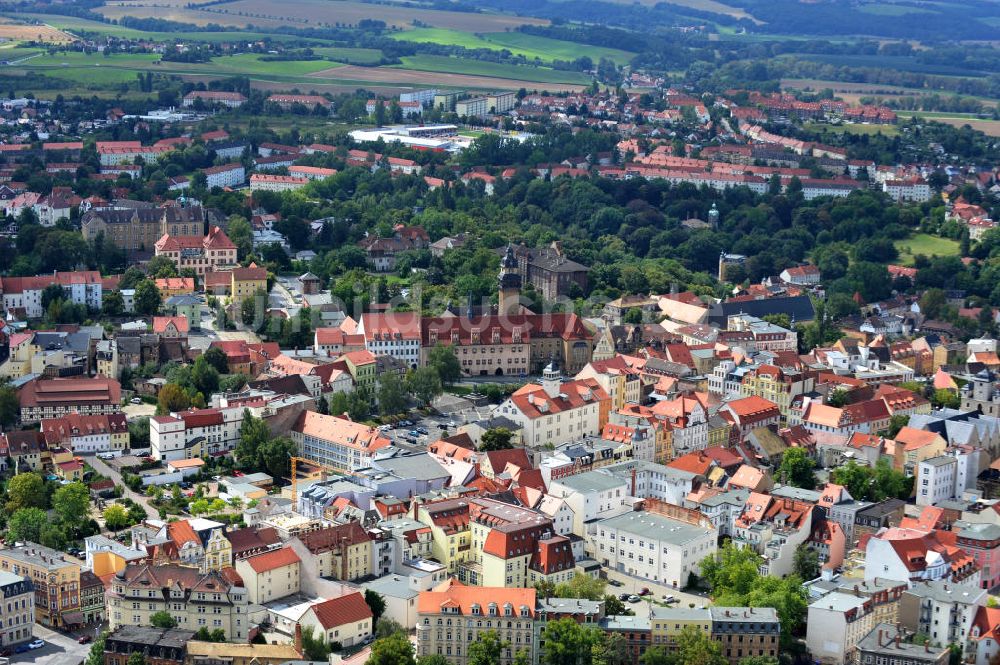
(645, 591)
(86, 639)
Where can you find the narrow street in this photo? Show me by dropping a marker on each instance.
(110, 472)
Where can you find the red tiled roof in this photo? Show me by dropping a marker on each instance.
(274, 559)
(334, 612)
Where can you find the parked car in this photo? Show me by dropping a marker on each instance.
(185, 485)
(22, 648)
(37, 644)
(86, 639)
(452, 423)
(634, 599)
(414, 432)
(645, 591)
(623, 596)
(614, 583)
(667, 598)
(135, 400)
(422, 430)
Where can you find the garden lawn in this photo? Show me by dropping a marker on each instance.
(926, 244)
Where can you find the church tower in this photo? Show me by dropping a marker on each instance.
(510, 284)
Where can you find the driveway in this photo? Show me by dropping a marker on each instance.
(59, 649)
(110, 472)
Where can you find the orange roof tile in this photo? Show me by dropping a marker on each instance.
(274, 559)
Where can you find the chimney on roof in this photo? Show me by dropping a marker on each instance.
(897, 641)
(298, 638)
(880, 637)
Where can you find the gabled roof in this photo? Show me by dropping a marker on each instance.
(273, 560)
(341, 611)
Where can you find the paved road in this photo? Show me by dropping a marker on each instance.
(110, 472)
(59, 649)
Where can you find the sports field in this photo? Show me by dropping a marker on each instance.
(531, 47)
(928, 245)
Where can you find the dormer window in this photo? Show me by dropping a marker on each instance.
(493, 609)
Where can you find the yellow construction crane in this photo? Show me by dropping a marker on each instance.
(320, 470)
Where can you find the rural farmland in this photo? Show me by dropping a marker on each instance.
(319, 12)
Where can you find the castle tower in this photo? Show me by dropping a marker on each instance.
(510, 284)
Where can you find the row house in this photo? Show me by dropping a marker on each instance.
(747, 414)
(88, 434)
(774, 527)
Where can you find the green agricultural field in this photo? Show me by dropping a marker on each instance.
(13, 52)
(530, 46)
(347, 54)
(445, 64)
(555, 49)
(928, 245)
(90, 77)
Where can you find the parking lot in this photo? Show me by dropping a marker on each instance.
(59, 649)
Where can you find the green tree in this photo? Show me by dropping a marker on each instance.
(147, 298)
(425, 384)
(732, 568)
(162, 619)
(10, 405)
(838, 398)
(396, 649)
(657, 655)
(116, 517)
(376, 603)
(432, 659)
(613, 650)
(758, 660)
(614, 606)
(113, 303)
(172, 398)
(805, 563)
(239, 231)
(496, 438)
(26, 490)
(71, 502)
(896, 423)
(253, 434)
(96, 654)
(570, 643)
(216, 357)
(797, 469)
(933, 303)
(136, 658)
(26, 525)
(275, 456)
(945, 399)
(391, 394)
(582, 586)
(443, 359)
(204, 376)
(488, 649)
(694, 647)
(313, 647)
(54, 536)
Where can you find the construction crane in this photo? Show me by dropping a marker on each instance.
(307, 475)
(320, 470)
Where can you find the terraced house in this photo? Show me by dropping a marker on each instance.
(55, 578)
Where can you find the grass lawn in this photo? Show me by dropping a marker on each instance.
(252, 64)
(77, 59)
(445, 64)
(518, 43)
(928, 245)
